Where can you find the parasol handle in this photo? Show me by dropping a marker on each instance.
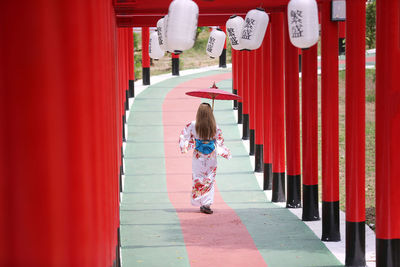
(213, 104)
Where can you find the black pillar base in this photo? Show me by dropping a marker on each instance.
(355, 244)
(299, 62)
(121, 172)
(235, 102)
(388, 252)
(126, 99)
(146, 76)
(246, 130)
(342, 46)
(267, 185)
(131, 88)
(175, 66)
(252, 142)
(123, 128)
(240, 113)
(310, 203)
(293, 192)
(118, 248)
(122, 162)
(330, 221)
(259, 161)
(278, 187)
(222, 59)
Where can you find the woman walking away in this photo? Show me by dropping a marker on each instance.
(206, 138)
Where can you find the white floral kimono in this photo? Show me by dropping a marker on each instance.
(204, 167)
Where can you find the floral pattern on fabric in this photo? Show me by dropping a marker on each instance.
(204, 167)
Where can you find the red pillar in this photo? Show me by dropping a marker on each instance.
(259, 111)
(222, 57)
(245, 95)
(387, 133)
(54, 196)
(278, 108)
(355, 133)
(292, 110)
(266, 84)
(342, 36)
(309, 113)
(127, 68)
(145, 56)
(131, 57)
(252, 107)
(330, 125)
(240, 85)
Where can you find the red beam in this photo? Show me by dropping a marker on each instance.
(123, 7)
(151, 20)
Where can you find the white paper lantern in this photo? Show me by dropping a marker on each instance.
(155, 51)
(216, 43)
(303, 23)
(165, 26)
(161, 31)
(234, 27)
(182, 25)
(254, 27)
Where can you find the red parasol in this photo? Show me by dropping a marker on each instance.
(213, 93)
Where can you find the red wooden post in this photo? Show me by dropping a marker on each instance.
(175, 64)
(54, 213)
(131, 57)
(292, 109)
(259, 111)
(387, 133)
(278, 108)
(266, 83)
(234, 76)
(355, 133)
(240, 85)
(127, 68)
(145, 56)
(309, 113)
(330, 126)
(245, 95)
(222, 57)
(252, 107)
(342, 36)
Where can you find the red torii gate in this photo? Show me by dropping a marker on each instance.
(67, 88)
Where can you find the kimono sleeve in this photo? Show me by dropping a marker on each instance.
(222, 150)
(186, 138)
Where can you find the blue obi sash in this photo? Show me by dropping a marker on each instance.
(205, 148)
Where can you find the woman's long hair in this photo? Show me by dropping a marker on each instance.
(206, 127)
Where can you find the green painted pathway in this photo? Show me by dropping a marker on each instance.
(151, 232)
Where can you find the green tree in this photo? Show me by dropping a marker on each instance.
(370, 24)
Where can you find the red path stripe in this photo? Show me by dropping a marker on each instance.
(219, 239)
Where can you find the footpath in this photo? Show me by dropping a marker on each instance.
(159, 227)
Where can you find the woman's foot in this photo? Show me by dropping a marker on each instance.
(206, 209)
